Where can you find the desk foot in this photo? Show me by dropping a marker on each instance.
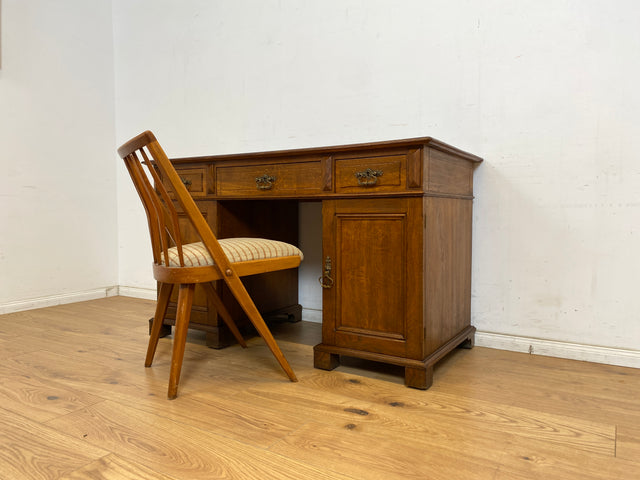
(325, 360)
(418, 377)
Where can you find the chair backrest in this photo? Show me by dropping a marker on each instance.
(150, 170)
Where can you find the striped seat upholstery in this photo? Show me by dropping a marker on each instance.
(236, 249)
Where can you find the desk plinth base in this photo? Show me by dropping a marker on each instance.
(417, 373)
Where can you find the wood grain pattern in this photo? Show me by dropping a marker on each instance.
(447, 269)
(152, 441)
(70, 411)
(30, 449)
(628, 442)
(298, 179)
(377, 265)
(113, 467)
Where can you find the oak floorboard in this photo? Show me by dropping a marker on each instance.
(11, 346)
(228, 416)
(38, 398)
(573, 388)
(432, 414)
(82, 317)
(114, 347)
(628, 443)
(31, 450)
(108, 380)
(113, 467)
(368, 451)
(16, 325)
(176, 449)
(537, 460)
(309, 404)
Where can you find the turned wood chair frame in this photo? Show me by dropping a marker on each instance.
(162, 216)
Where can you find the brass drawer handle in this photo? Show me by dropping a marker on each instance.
(265, 182)
(368, 177)
(186, 182)
(325, 280)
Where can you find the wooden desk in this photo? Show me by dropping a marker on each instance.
(396, 232)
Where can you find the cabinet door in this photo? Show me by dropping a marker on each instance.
(374, 249)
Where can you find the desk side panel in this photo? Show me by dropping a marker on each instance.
(447, 251)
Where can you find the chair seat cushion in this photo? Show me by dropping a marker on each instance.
(236, 249)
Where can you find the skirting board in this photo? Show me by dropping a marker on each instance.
(137, 292)
(311, 315)
(61, 299)
(551, 348)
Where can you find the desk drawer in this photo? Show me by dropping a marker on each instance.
(196, 179)
(269, 179)
(377, 174)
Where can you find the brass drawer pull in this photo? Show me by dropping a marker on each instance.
(368, 177)
(325, 280)
(186, 182)
(265, 182)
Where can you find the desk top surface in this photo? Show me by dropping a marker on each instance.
(312, 151)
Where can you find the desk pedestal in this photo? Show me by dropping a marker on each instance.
(400, 282)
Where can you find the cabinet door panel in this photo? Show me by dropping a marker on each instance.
(375, 249)
(365, 243)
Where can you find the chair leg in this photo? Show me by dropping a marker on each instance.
(240, 292)
(183, 312)
(224, 313)
(161, 310)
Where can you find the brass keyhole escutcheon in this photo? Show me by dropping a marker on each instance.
(325, 280)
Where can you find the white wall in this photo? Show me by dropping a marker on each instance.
(57, 187)
(544, 90)
(558, 199)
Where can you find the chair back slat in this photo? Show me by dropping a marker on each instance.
(162, 215)
(172, 227)
(188, 206)
(132, 164)
(163, 239)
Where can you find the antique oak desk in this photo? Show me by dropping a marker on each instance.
(396, 236)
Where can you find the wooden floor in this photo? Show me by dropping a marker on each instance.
(77, 403)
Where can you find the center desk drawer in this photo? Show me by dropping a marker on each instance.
(273, 179)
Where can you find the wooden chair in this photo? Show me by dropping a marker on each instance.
(187, 264)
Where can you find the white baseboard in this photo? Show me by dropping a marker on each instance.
(551, 348)
(137, 292)
(311, 315)
(61, 299)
